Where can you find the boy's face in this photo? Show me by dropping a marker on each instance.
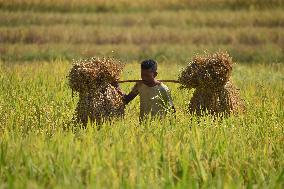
(148, 74)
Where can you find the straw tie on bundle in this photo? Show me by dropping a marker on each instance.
(98, 99)
(210, 75)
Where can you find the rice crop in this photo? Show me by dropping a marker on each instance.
(40, 148)
(37, 151)
(94, 73)
(209, 75)
(98, 99)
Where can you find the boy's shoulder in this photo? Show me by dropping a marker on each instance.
(162, 85)
(141, 86)
(137, 86)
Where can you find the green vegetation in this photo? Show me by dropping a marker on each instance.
(249, 35)
(41, 148)
(134, 6)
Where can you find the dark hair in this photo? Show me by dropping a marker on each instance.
(149, 64)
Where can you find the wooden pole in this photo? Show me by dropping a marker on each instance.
(162, 80)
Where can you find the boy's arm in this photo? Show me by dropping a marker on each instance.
(127, 97)
(170, 100)
(130, 96)
(173, 108)
(172, 104)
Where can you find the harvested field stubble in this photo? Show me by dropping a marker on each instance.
(98, 99)
(214, 92)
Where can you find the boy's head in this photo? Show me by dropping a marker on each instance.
(148, 70)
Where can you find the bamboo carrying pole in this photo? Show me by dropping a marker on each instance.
(163, 80)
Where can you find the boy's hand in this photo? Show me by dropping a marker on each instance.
(118, 89)
(115, 84)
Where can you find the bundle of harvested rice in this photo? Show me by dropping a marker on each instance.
(222, 100)
(214, 92)
(91, 74)
(207, 71)
(98, 99)
(99, 106)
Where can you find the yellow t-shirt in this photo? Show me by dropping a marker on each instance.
(153, 100)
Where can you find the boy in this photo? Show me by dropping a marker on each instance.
(155, 99)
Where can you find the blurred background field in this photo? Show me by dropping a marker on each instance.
(40, 148)
(171, 30)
